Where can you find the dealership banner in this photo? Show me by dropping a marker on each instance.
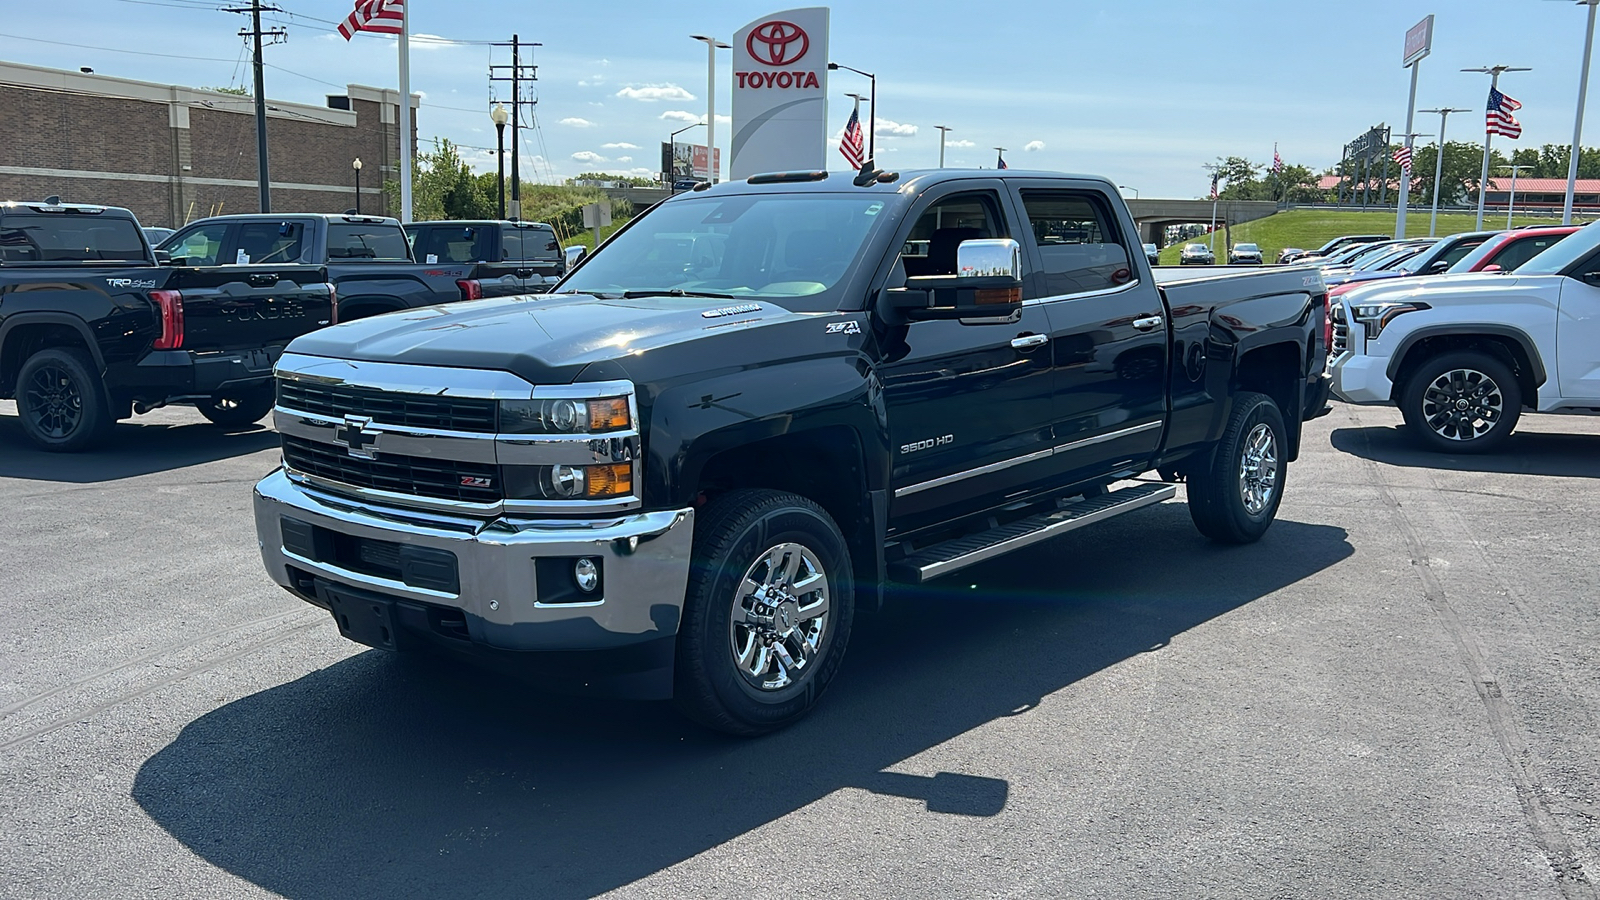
(780, 93)
(679, 160)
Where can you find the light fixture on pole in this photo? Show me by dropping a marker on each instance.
(1494, 73)
(672, 141)
(872, 107)
(1577, 120)
(499, 117)
(1511, 202)
(712, 46)
(356, 165)
(1438, 162)
(943, 130)
(1126, 188)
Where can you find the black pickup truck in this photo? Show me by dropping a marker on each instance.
(683, 471)
(93, 328)
(503, 258)
(366, 258)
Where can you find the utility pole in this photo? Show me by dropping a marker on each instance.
(255, 9)
(1438, 162)
(516, 77)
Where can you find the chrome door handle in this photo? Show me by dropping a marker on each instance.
(1147, 323)
(1029, 341)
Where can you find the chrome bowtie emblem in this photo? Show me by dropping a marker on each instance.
(359, 437)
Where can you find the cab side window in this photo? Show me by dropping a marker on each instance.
(1522, 251)
(930, 249)
(269, 242)
(1080, 248)
(202, 246)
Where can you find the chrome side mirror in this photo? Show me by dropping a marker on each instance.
(989, 258)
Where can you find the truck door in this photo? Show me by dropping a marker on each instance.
(968, 404)
(1578, 337)
(1108, 330)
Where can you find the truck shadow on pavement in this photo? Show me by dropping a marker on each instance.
(133, 449)
(379, 777)
(1523, 453)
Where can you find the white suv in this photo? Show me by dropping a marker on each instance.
(1463, 355)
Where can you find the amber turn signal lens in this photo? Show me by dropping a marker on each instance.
(610, 481)
(608, 415)
(1001, 296)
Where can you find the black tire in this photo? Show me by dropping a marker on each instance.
(1431, 396)
(236, 409)
(734, 536)
(62, 401)
(1218, 491)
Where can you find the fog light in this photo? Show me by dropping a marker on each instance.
(587, 574)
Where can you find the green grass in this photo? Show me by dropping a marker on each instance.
(1311, 228)
(586, 236)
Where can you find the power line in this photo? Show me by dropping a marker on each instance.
(18, 37)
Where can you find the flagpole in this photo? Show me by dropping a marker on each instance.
(405, 115)
(1494, 84)
(1405, 170)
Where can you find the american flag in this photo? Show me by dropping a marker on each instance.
(1277, 161)
(853, 145)
(382, 16)
(1002, 164)
(1500, 119)
(1402, 155)
(1213, 186)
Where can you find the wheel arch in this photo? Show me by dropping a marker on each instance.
(1509, 344)
(24, 334)
(1277, 370)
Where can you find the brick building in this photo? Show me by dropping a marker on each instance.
(172, 154)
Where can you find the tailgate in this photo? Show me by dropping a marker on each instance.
(412, 284)
(251, 306)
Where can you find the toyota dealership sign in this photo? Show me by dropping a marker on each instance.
(780, 93)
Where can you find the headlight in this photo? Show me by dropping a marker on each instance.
(568, 482)
(564, 416)
(1374, 317)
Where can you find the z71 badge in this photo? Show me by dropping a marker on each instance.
(851, 327)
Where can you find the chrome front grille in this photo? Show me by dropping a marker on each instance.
(442, 479)
(469, 414)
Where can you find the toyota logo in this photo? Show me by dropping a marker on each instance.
(777, 43)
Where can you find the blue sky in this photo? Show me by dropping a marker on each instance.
(1144, 93)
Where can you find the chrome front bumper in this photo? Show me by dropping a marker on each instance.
(644, 560)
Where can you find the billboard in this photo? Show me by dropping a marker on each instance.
(780, 93)
(680, 160)
(1419, 41)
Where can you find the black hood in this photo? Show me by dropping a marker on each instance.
(543, 338)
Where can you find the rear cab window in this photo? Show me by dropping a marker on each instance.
(70, 238)
(529, 243)
(378, 241)
(451, 243)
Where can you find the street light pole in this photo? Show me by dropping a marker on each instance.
(356, 164)
(1494, 73)
(872, 108)
(1511, 203)
(672, 141)
(943, 130)
(712, 46)
(1577, 120)
(1134, 189)
(498, 116)
(1438, 162)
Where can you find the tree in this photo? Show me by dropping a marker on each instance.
(236, 91)
(1295, 184)
(600, 179)
(1463, 163)
(443, 187)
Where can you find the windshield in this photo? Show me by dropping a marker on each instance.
(1195, 248)
(1379, 261)
(1565, 253)
(1247, 248)
(772, 246)
(1445, 254)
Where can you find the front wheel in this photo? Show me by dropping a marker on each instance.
(1235, 497)
(237, 408)
(767, 613)
(1462, 402)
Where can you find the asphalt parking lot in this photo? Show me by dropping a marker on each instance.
(1394, 694)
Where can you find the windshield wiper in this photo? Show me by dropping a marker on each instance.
(674, 292)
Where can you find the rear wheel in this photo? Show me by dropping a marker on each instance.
(767, 613)
(1461, 402)
(237, 408)
(1234, 499)
(62, 402)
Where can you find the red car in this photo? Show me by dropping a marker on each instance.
(1509, 249)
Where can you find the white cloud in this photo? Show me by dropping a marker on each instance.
(588, 156)
(575, 122)
(1033, 145)
(624, 159)
(592, 81)
(653, 92)
(894, 129)
(684, 116)
(422, 41)
(620, 145)
(959, 144)
(724, 120)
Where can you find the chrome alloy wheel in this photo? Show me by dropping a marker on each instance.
(51, 398)
(780, 615)
(1258, 469)
(1462, 404)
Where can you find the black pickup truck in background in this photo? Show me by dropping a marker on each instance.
(93, 328)
(366, 258)
(682, 471)
(505, 258)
